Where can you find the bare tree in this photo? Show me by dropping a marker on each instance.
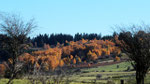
(135, 42)
(17, 31)
(59, 76)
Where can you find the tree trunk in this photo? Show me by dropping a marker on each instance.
(9, 82)
(140, 77)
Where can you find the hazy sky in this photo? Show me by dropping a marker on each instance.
(72, 16)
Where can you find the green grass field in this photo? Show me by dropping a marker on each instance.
(113, 73)
(110, 68)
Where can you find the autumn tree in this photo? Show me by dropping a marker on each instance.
(91, 55)
(90, 50)
(49, 59)
(135, 42)
(17, 31)
(117, 58)
(74, 61)
(2, 69)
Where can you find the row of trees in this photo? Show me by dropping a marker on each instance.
(53, 39)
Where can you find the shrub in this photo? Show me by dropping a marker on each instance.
(110, 71)
(85, 71)
(128, 68)
(96, 71)
(103, 70)
(117, 66)
(2, 68)
(98, 76)
(117, 58)
(77, 70)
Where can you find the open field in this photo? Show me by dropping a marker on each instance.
(98, 75)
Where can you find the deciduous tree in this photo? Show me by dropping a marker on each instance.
(17, 31)
(135, 42)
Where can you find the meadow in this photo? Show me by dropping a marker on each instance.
(109, 74)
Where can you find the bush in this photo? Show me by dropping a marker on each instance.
(117, 66)
(98, 76)
(18, 75)
(85, 71)
(128, 68)
(96, 71)
(2, 69)
(77, 70)
(103, 70)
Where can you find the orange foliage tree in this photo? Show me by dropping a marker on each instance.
(2, 69)
(90, 49)
(117, 58)
(46, 59)
(74, 61)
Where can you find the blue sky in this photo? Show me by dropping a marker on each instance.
(72, 16)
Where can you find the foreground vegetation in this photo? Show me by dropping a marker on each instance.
(101, 75)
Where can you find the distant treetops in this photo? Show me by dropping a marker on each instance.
(53, 39)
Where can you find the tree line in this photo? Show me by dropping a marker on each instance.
(53, 39)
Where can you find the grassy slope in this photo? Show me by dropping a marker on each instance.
(122, 66)
(110, 72)
(16, 81)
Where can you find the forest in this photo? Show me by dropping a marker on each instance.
(85, 48)
(49, 53)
